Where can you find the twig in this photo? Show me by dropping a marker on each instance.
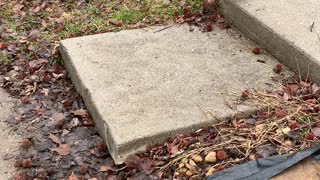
(163, 28)
(311, 27)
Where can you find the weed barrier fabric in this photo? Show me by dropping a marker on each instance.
(266, 168)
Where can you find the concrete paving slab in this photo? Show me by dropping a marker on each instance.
(289, 30)
(142, 87)
(307, 169)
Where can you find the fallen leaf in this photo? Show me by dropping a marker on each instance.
(73, 177)
(26, 163)
(58, 116)
(139, 163)
(62, 149)
(36, 9)
(310, 136)
(55, 139)
(112, 177)
(37, 62)
(180, 20)
(292, 88)
(209, 28)
(3, 45)
(116, 23)
(245, 93)
(280, 113)
(87, 121)
(105, 168)
(293, 125)
(80, 112)
(265, 151)
(221, 155)
(25, 143)
(24, 100)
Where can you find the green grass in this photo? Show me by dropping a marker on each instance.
(56, 61)
(4, 59)
(87, 18)
(304, 119)
(128, 16)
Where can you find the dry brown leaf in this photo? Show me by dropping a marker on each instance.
(63, 149)
(73, 177)
(3, 45)
(80, 112)
(58, 116)
(105, 168)
(55, 139)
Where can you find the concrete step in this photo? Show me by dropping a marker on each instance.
(143, 87)
(289, 30)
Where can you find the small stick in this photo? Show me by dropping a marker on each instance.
(163, 28)
(311, 27)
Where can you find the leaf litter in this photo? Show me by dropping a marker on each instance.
(60, 140)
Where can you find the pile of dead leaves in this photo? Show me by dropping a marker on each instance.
(206, 19)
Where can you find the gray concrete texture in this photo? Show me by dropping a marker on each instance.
(9, 141)
(142, 87)
(289, 30)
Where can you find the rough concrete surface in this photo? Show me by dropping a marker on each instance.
(8, 139)
(289, 30)
(307, 169)
(142, 87)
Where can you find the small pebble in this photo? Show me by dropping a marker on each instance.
(286, 130)
(195, 177)
(197, 158)
(189, 173)
(182, 170)
(288, 143)
(211, 171)
(181, 165)
(211, 157)
(191, 168)
(252, 157)
(192, 163)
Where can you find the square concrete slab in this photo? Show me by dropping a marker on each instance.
(289, 30)
(142, 86)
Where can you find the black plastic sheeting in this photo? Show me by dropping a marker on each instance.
(265, 168)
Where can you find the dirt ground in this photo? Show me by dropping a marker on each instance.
(9, 141)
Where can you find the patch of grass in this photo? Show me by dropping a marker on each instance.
(4, 59)
(304, 119)
(195, 5)
(93, 10)
(71, 28)
(128, 16)
(96, 24)
(56, 61)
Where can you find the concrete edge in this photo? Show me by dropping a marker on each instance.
(277, 45)
(120, 152)
(84, 93)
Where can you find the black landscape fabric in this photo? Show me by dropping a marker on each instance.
(266, 168)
